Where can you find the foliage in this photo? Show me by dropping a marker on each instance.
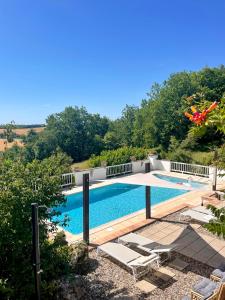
(118, 156)
(217, 226)
(75, 131)
(20, 185)
(160, 116)
(8, 132)
(202, 158)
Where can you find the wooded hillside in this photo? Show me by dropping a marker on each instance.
(158, 123)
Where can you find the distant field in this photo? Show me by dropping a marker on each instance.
(4, 146)
(24, 131)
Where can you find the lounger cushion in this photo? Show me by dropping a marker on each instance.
(203, 209)
(186, 298)
(197, 215)
(143, 260)
(218, 273)
(205, 287)
(133, 238)
(156, 247)
(119, 252)
(145, 244)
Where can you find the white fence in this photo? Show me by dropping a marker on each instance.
(118, 169)
(190, 169)
(67, 179)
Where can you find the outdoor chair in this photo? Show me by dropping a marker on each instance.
(139, 264)
(147, 245)
(207, 289)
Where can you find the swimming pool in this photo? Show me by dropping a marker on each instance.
(111, 202)
(186, 182)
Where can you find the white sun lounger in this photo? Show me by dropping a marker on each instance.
(203, 209)
(138, 263)
(147, 244)
(196, 215)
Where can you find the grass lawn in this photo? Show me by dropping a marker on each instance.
(81, 165)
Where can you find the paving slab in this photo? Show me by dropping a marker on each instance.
(217, 244)
(207, 238)
(178, 264)
(195, 225)
(167, 240)
(145, 286)
(164, 274)
(222, 252)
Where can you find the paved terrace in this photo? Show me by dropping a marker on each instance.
(192, 240)
(137, 220)
(202, 251)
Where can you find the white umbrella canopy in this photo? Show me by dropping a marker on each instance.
(148, 179)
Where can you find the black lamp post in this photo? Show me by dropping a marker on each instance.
(36, 250)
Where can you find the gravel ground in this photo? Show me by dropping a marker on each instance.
(107, 280)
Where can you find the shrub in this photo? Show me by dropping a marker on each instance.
(119, 156)
(20, 185)
(202, 158)
(180, 156)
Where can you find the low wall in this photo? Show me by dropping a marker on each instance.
(139, 166)
(94, 174)
(159, 164)
(100, 173)
(163, 165)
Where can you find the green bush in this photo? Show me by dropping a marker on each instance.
(20, 185)
(179, 155)
(202, 158)
(119, 156)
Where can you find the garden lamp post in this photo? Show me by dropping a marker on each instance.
(36, 250)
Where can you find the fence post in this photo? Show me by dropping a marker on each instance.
(214, 181)
(148, 201)
(86, 207)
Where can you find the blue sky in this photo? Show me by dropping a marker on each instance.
(102, 54)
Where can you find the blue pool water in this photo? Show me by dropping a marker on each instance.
(193, 184)
(111, 202)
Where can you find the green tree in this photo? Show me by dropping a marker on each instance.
(8, 132)
(20, 185)
(74, 131)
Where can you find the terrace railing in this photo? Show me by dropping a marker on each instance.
(68, 179)
(118, 169)
(189, 169)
